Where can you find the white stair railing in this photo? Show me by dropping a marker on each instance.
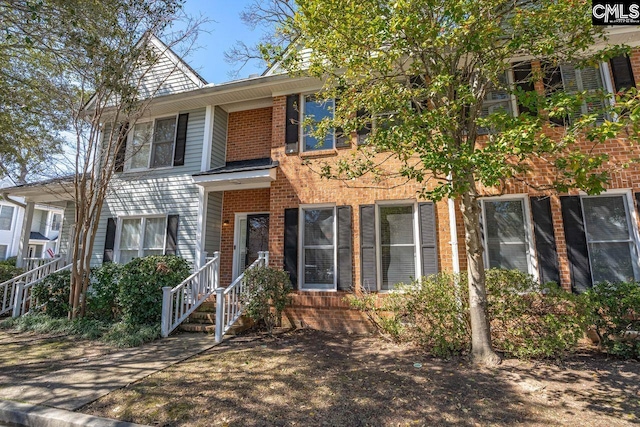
(23, 284)
(33, 263)
(179, 302)
(229, 306)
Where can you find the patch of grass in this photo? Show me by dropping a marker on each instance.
(117, 334)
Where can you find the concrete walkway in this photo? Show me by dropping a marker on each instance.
(73, 387)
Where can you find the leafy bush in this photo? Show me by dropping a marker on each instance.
(51, 296)
(530, 320)
(615, 314)
(8, 269)
(102, 300)
(140, 290)
(527, 320)
(266, 288)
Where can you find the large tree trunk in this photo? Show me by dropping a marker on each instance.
(481, 349)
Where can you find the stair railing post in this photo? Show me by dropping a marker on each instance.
(266, 258)
(219, 313)
(17, 303)
(216, 270)
(166, 311)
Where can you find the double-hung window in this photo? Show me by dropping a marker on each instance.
(142, 236)
(6, 217)
(397, 245)
(152, 144)
(313, 112)
(56, 221)
(507, 239)
(318, 231)
(611, 239)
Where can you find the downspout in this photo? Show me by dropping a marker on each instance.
(6, 197)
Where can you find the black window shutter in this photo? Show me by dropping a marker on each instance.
(522, 76)
(181, 139)
(638, 201)
(121, 146)
(292, 127)
(428, 238)
(342, 140)
(291, 244)
(622, 73)
(368, 267)
(545, 240)
(171, 246)
(109, 241)
(345, 253)
(576, 243)
(364, 130)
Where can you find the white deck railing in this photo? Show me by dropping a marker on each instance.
(229, 305)
(179, 302)
(33, 263)
(23, 285)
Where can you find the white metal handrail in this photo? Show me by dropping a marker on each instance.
(179, 302)
(24, 285)
(229, 305)
(24, 304)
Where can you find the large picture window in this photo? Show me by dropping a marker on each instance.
(315, 111)
(152, 144)
(141, 237)
(318, 248)
(506, 234)
(610, 238)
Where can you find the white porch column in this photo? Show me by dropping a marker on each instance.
(207, 140)
(23, 247)
(201, 230)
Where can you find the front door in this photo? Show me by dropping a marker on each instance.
(251, 237)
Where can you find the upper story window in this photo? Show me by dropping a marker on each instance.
(314, 111)
(6, 217)
(56, 222)
(152, 144)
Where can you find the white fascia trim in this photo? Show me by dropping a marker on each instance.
(207, 140)
(237, 179)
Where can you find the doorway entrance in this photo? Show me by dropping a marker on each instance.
(251, 237)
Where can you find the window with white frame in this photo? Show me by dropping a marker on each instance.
(3, 251)
(314, 111)
(56, 222)
(6, 217)
(507, 234)
(141, 237)
(397, 245)
(611, 239)
(318, 248)
(152, 144)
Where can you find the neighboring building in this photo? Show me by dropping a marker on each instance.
(224, 170)
(44, 234)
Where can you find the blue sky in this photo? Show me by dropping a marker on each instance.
(208, 60)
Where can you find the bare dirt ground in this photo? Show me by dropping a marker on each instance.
(319, 379)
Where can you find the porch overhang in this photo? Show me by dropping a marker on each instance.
(239, 175)
(49, 191)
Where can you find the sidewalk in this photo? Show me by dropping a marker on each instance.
(73, 387)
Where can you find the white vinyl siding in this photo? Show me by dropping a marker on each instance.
(611, 241)
(318, 248)
(507, 234)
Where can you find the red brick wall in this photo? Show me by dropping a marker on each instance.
(249, 134)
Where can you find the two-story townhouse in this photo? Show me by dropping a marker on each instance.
(226, 168)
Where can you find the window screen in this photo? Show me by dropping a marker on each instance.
(397, 245)
(318, 252)
(505, 235)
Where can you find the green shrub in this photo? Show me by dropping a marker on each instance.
(51, 296)
(266, 288)
(140, 290)
(123, 334)
(615, 315)
(431, 312)
(8, 270)
(530, 320)
(102, 299)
